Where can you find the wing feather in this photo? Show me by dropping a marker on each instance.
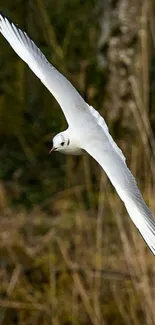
(100, 120)
(125, 185)
(67, 96)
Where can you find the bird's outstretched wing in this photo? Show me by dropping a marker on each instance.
(124, 182)
(67, 96)
(99, 144)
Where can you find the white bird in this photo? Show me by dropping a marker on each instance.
(86, 130)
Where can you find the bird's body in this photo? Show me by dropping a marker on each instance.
(87, 130)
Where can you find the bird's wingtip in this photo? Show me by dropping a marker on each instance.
(5, 17)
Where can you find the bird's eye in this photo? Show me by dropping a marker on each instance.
(62, 143)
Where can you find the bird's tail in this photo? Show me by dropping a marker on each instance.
(144, 221)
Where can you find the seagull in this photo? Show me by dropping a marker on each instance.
(87, 130)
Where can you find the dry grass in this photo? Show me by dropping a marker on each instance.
(74, 268)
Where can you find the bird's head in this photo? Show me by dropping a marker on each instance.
(60, 142)
(66, 143)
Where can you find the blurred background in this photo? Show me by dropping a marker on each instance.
(69, 254)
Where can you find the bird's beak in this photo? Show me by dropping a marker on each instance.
(52, 149)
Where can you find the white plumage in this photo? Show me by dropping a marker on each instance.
(87, 129)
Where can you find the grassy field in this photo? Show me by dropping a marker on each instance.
(80, 264)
